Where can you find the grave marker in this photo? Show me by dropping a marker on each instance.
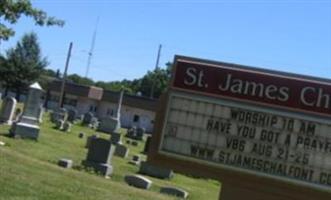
(28, 124)
(7, 110)
(100, 152)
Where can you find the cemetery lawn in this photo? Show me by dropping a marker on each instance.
(29, 171)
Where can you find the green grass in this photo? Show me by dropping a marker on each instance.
(28, 171)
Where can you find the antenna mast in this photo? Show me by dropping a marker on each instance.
(90, 53)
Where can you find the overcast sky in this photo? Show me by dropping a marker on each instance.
(286, 35)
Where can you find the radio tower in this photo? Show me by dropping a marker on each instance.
(90, 53)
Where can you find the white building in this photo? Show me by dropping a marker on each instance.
(136, 111)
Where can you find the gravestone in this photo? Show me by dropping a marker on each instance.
(59, 114)
(18, 114)
(138, 181)
(41, 113)
(115, 123)
(121, 151)
(65, 163)
(28, 125)
(140, 133)
(7, 110)
(115, 138)
(135, 133)
(81, 135)
(136, 159)
(87, 119)
(155, 171)
(59, 124)
(174, 191)
(109, 125)
(72, 115)
(131, 132)
(99, 156)
(94, 123)
(2, 143)
(148, 141)
(66, 126)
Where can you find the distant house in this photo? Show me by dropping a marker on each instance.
(136, 110)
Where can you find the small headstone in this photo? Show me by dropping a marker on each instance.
(7, 110)
(115, 138)
(174, 191)
(148, 141)
(28, 125)
(131, 132)
(134, 143)
(135, 160)
(99, 156)
(87, 119)
(72, 115)
(138, 181)
(2, 143)
(155, 171)
(67, 126)
(140, 133)
(59, 114)
(59, 124)
(121, 151)
(94, 123)
(109, 125)
(81, 135)
(66, 163)
(18, 114)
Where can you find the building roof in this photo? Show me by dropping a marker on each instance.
(130, 100)
(97, 93)
(70, 88)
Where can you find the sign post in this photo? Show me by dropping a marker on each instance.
(263, 134)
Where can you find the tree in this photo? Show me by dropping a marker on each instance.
(12, 10)
(22, 64)
(116, 85)
(80, 80)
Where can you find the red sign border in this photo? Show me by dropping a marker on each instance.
(243, 68)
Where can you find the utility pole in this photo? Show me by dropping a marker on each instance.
(156, 67)
(65, 76)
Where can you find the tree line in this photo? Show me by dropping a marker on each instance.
(24, 64)
(152, 84)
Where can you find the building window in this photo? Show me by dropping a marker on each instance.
(136, 118)
(110, 112)
(71, 102)
(93, 108)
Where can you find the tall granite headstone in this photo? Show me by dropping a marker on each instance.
(99, 156)
(7, 110)
(28, 124)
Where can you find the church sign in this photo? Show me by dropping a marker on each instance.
(261, 123)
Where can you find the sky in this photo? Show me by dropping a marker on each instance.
(285, 35)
